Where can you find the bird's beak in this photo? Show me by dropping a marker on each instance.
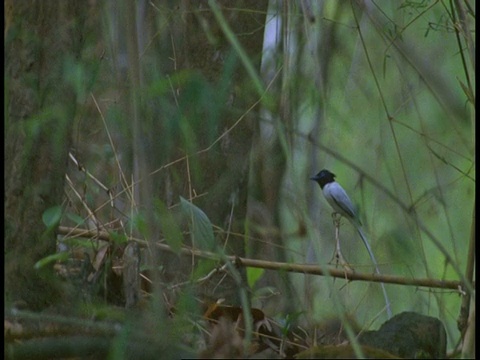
(314, 178)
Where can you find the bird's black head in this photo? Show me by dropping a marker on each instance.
(323, 178)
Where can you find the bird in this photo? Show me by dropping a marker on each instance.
(338, 199)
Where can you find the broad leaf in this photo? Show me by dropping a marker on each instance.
(51, 216)
(201, 230)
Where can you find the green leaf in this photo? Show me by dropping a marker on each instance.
(61, 256)
(203, 268)
(201, 230)
(78, 220)
(253, 274)
(171, 231)
(51, 216)
(81, 242)
(118, 238)
(139, 223)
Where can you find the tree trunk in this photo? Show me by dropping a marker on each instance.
(40, 106)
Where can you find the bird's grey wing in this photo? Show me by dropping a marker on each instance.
(341, 199)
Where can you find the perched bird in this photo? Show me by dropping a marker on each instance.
(341, 203)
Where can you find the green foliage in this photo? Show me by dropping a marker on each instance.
(253, 274)
(76, 75)
(51, 217)
(203, 267)
(77, 220)
(232, 38)
(138, 222)
(118, 349)
(170, 229)
(60, 256)
(193, 118)
(80, 242)
(201, 231)
(118, 238)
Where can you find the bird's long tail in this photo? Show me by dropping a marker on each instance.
(370, 252)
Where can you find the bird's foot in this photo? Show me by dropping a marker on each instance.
(340, 260)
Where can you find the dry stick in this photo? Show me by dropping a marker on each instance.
(273, 265)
